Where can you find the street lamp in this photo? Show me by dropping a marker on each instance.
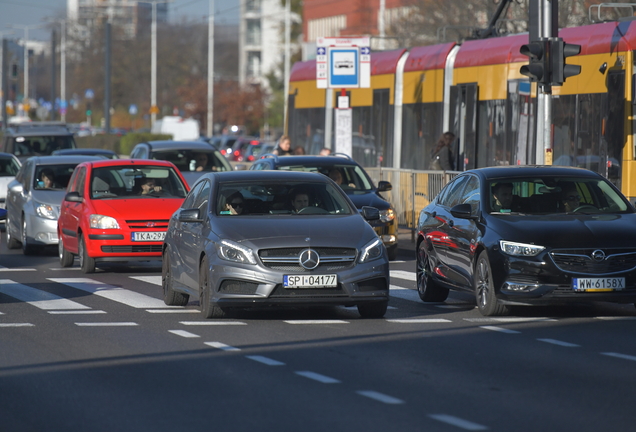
(26, 28)
(62, 23)
(153, 62)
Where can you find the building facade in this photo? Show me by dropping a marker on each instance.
(261, 40)
(326, 18)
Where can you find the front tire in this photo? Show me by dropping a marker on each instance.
(208, 310)
(12, 242)
(485, 290)
(66, 258)
(426, 287)
(170, 296)
(87, 263)
(373, 310)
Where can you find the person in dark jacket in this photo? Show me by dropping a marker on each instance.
(284, 147)
(441, 156)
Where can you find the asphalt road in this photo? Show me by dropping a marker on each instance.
(101, 352)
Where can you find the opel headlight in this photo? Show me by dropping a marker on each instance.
(46, 211)
(232, 251)
(387, 215)
(371, 251)
(103, 222)
(520, 249)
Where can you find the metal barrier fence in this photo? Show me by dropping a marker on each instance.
(412, 190)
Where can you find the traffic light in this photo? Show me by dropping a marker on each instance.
(538, 69)
(560, 52)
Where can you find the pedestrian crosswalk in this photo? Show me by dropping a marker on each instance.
(56, 304)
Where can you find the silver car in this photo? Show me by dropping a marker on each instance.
(9, 167)
(249, 239)
(34, 198)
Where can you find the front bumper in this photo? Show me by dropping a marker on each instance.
(540, 281)
(260, 286)
(113, 245)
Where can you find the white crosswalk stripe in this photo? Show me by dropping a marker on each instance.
(120, 295)
(38, 298)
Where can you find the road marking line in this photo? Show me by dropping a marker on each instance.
(65, 269)
(170, 311)
(380, 397)
(616, 318)
(107, 324)
(17, 325)
(500, 329)
(211, 323)
(155, 280)
(401, 274)
(456, 421)
(266, 360)
(418, 320)
(77, 312)
(183, 333)
(560, 343)
(222, 346)
(318, 377)
(120, 295)
(618, 355)
(316, 322)
(5, 269)
(404, 293)
(509, 319)
(41, 299)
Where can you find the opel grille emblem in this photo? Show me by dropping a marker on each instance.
(598, 255)
(309, 259)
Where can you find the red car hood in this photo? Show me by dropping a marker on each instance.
(138, 209)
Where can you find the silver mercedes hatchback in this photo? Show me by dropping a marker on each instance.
(253, 239)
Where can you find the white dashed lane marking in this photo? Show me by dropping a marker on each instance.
(184, 333)
(381, 397)
(316, 322)
(560, 343)
(500, 329)
(222, 346)
(266, 360)
(318, 377)
(418, 320)
(16, 325)
(621, 356)
(106, 324)
(212, 323)
(456, 421)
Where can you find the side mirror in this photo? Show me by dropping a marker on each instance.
(73, 197)
(370, 213)
(384, 186)
(463, 211)
(189, 215)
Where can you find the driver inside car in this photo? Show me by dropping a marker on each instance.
(570, 198)
(300, 200)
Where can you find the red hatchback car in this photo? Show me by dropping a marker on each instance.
(118, 210)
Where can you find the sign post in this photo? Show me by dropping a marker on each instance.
(342, 63)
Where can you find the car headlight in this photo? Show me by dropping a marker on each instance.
(46, 211)
(387, 215)
(232, 251)
(371, 251)
(520, 249)
(103, 222)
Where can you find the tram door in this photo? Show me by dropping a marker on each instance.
(463, 123)
(613, 138)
